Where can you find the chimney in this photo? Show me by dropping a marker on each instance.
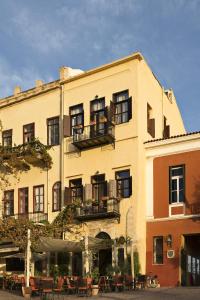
(38, 83)
(65, 72)
(17, 90)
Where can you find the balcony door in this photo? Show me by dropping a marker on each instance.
(98, 117)
(99, 187)
(23, 201)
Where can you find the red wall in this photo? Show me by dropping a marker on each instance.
(191, 160)
(168, 272)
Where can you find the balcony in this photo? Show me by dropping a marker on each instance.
(94, 135)
(34, 217)
(105, 209)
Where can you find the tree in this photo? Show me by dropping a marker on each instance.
(18, 159)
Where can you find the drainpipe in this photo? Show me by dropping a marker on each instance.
(62, 144)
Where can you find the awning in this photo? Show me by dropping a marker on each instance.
(57, 245)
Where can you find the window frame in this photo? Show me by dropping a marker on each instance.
(99, 187)
(76, 127)
(11, 203)
(118, 180)
(34, 199)
(155, 255)
(57, 190)
(178, 190)
(30, 132)
(9, 137)
(25, 197)
(77, 189)
(120, 104)
(57, 142)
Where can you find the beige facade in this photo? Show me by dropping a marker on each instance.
(100, 156)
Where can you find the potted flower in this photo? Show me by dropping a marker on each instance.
(95, 281)
(78, 203)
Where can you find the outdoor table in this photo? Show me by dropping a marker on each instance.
(46, 287)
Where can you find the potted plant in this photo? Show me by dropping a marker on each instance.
(95, 281)
(78, 203)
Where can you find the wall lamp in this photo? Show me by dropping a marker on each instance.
(168, 240)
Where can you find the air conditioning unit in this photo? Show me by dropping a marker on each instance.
(170, 254)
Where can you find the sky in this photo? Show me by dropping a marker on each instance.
(37, 37)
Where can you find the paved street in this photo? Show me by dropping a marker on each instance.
(150, 294)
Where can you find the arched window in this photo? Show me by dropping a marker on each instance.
(56, 196)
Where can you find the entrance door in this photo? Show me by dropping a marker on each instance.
(190, 261)
(105, 255)
(77, 264)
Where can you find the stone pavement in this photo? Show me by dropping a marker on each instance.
(181, 293)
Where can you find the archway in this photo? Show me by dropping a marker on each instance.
(104, 256)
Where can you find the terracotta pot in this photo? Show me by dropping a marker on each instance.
(95, 290)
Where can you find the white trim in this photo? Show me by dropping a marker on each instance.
(172, 218)
(176, 205)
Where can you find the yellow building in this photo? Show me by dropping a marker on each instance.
(96, 122)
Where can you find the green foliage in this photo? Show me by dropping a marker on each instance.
(17, 159)
(136, 263)
(95, 275)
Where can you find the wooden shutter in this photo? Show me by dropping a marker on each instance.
(67, 197)
(130, 108)
(112, 189)
(88, 192)
(111, 112)
(130, 186)
(66, 126)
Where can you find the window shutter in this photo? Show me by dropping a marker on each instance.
(130, 186)
(130, 108)
(67, 197)
(112, 189)
(170, 186)
(111, 112)
(66, 126)
(88, 192)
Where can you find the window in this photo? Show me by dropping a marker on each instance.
(158, 250)
(28, 133)
(98, 116)
(124, 184)
(7, 138)
(177, 184)
(123, 107)
(56, 196)
(23, 201)
(53, 131)
(77, 118)
(150, 121)
(8, 203)
(166, 129)
(38, 198)
(99, 187)
(76, 190)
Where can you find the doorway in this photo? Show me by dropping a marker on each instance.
(190, 261)
(104, 255)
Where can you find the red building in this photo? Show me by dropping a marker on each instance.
(173, 209)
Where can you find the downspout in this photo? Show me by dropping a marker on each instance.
(62, 144)
(162, 111)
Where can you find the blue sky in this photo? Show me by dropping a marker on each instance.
(37, 37)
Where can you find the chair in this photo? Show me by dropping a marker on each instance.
(59, 289)
(85, 287)
(46, 286)
(128, 282)
(70, 285)
(104, 285)
(118, 283)
(141, 282)
(33, 285)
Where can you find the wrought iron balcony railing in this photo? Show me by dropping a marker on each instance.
(34, 217)
(104, 209)
(94, 135)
